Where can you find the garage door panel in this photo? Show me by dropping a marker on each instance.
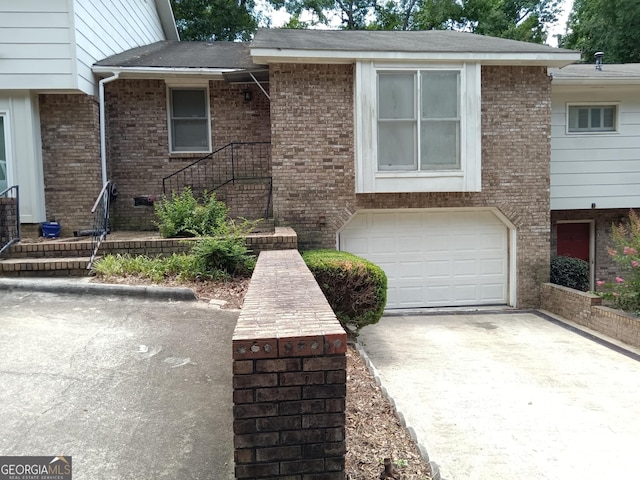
(434, 258)
(494, 266)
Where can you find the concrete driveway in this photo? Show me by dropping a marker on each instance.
(510, 396)
(131, 388)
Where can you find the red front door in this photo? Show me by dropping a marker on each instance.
(573, 240)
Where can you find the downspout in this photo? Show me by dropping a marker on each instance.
(103, 127)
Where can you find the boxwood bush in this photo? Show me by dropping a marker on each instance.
(355, 288)
(570, 272)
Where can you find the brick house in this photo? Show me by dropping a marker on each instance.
(426, 152)
(595, 159)
(453, 203)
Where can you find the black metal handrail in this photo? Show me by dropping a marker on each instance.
(9, 217)
(100, 213)
(230, 163)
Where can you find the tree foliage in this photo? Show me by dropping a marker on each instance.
(524, 20)
(610, 26)
(206, 20)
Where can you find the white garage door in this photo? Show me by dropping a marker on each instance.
(434, 259)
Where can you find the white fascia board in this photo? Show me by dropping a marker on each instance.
(168, 21)
(601, 82)
(160, 72)
(268, 55)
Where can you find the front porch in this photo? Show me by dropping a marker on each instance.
(69, 256)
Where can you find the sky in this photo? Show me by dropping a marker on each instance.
(280, 17)
(561, 24)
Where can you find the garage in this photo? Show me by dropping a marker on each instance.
(434, 258)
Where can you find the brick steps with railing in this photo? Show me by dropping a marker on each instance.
(70, 257)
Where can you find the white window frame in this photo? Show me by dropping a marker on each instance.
(369, 180)
(198, 86)
(590, 130)
(7, 148)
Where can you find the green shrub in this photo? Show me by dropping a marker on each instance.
(183, 216)
(570, 272)
(225, 254)
(355, 288)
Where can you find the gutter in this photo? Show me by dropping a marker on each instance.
(103, 128)
(160, 72)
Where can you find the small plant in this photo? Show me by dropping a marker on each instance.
(224, 254)
(183, 216)
(355, 288)
(570, 272)
(624, 292)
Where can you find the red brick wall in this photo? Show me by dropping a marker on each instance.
(313, 159)
(71, 159)
(138, 138)
(289, 376)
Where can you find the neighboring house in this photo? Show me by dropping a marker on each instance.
(426, 152)
(47, 49)
(595, 159)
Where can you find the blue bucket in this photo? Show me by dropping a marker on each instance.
(50, 229)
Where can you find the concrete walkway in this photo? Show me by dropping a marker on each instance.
(510, 396)
(132, 387)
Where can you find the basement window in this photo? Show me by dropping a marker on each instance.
(189, 123)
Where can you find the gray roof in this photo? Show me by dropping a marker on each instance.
(585, 71)
(444, 41)
(232, 55)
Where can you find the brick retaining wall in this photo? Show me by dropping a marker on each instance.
(586, 309)
(289, 376)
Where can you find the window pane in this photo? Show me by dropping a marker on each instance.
(583, 118)
(396, 146)
(595, 117)
(608, 118)
(440, 145)
(188, 103)
(396, 96)
(190, 135)
(440, 94)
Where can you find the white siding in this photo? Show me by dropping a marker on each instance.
(52, 44)
(36, 45)
(597, 168)
(106, 27)
(25, 153)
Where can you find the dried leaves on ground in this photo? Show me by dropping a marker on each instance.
(373, 430)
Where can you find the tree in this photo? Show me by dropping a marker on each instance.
(353, 14)
(206, 20)
(610, 26)
(523, 20)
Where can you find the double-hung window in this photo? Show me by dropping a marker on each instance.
(418, 120)
(189, 123)
(418, 129)
(592, 118)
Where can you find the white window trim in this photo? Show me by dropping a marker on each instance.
(369, 180)
(616, 129)
(199, 85)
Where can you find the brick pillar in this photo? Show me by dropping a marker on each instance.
(289, 376)
(8, 219)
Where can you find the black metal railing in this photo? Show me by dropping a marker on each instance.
(9, 217)
(233, 162)
(100, 213)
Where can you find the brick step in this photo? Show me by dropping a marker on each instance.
(45, 267)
